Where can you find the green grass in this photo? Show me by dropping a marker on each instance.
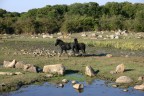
(128, 44)
(102, 63)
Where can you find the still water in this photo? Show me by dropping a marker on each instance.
(97, 88)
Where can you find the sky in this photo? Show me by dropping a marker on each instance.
(25, 5)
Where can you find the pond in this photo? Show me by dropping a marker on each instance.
(96, 88)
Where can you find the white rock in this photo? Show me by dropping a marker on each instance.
(18, 73)
(89, 71)
(120, 68)
(54, 69)
(141, 78)
(49, 75)
(124, 79)
(78, 86)
(109, 55)
(6, 73)
(8, 64)
(73, 82)
(64, 80)
(139, 87)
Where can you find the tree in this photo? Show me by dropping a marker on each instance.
(139, 24)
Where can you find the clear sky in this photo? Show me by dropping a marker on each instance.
(25, 5)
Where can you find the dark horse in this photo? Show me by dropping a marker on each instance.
(78, 46)
(75, 46)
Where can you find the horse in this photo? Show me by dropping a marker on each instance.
(75, 46)
(63, 45)
(78, 46)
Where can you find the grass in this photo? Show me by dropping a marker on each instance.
(134, 64)
(135, 44)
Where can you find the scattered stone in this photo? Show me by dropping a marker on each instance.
(139, 87)
(109, 55)
(78, 86)
(141, 78)
(112, 72)
(114, 85)
(47, 36)
(8, 64)
(30, 68)
(54, 69)
(2, 84)
(64, 80)
(89, 71)
(126, 56)
(120, 68)
(49, 75)
(19, 65)
(18, 73)
(124, 79)
(125, 90)
(83, 35)
(100, 36)
(61, 85)
(73, 82)
(93, 35)
(116, 37)
(112, 36)
(6, 73)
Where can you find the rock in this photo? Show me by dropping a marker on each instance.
(120, 68)
(114, 85)
(78, 86)
(112, 72)
(89, 71)
(54, 69)
(64, 80)
(141, 78)
(6, 73)
(49, 75)
(112, 36)
(73, 82)
(109, 55)
(18, 73)
(125, 90)
(83, 35)
(8, 64)
(61, 85)
(19, 65)
(100, 36)
(124, 79)
(139, 87)
(116, 37)
(30, 68)
(2, 84)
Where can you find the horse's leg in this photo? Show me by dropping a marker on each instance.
(83, 52)
(73, 49)
(60, 53)
(66, 53)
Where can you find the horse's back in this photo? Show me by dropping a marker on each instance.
(82, 45)
(68, 46)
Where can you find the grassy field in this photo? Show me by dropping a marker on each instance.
(12, 49)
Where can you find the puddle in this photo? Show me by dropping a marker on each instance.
(97, 88)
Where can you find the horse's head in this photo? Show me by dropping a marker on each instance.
(75, 40)
(58, 42)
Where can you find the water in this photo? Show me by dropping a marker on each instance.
(97, 88)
